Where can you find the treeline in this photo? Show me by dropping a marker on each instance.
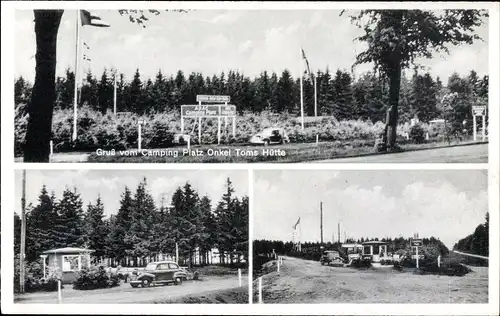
(140, 230)
(339, 94)
(313, 250)
(476, 243)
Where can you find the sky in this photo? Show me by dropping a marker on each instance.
(110, 184)
(212, 41)
(445, 204)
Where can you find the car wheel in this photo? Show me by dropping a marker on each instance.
(146, 283)
(266, 143)
(178, 281)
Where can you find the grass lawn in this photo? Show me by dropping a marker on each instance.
(289, 153)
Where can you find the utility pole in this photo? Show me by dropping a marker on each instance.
(23, 234)
(339, 233)
(321, 221)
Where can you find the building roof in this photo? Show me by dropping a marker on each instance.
(351, 245)
(374, 242)
(68, 250)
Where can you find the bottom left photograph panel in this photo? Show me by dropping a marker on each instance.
(131, 236)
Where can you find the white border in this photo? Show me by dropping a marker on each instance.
(8, 166)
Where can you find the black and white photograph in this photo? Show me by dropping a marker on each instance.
(131, 237)
(378, 237)
(243, 86)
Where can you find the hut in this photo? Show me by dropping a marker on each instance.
(374, 250)
(68, 260)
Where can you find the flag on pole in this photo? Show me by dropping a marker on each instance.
(91, 19)
(298, 222)
(307, 64)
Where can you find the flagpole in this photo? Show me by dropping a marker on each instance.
(301, 92)
(114, 97)
(75, 100)
(315, 98)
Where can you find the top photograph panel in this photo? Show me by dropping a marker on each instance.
(222, 86)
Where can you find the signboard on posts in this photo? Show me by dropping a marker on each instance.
(416, 243)
(213, 98)
(208, 110)
(479, 110)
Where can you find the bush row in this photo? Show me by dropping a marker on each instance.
(105, 131)
(95, 277)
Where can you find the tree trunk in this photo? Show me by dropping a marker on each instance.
(39, 128)
(391, 123)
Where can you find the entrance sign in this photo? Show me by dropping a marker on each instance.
(479, 110)
(208, 110)
(213, 98)
(416, 243)
(218, 111)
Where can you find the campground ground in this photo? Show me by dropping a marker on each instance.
(305, 281)
(210, 289)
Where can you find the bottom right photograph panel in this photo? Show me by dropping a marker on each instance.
(370, 236)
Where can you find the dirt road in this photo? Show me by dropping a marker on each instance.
(304, 281)
(126, 294)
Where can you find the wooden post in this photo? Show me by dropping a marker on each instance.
(475, 126)
(234, 126)
(301, 93)
(260, 290)
(139, 140)
(239, 277)
(177, 253)
(484, 127)
(218, 130)
(189, 143)
(439, 261)
(417, 257)
(59, 294)
(199, 130)
(23, 234)
(278, 265)
(51, 147)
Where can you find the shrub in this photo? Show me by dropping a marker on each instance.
(417, 134)
(33, 278)
(95, 277)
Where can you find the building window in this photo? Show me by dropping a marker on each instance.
(71, 263)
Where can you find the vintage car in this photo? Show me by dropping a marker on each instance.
(269, 136)
(158, 273)
(331, 257)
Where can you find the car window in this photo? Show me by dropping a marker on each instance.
(173, 266)
(150, 266)
(162, 266)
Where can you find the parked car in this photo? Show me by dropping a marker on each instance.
(190, 274)
(158, 273)
(331, 257)
(181, 139)
(268, 136)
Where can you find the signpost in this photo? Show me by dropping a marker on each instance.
(211, 111)
(479, 110)
(416, 242)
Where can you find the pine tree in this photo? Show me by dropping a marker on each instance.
(139, 235)
(40, 235)
(105, 93)
(284, 93)
(223, 214)
(120, 226)
(70, 224)
(135, 93)
(95, 228)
